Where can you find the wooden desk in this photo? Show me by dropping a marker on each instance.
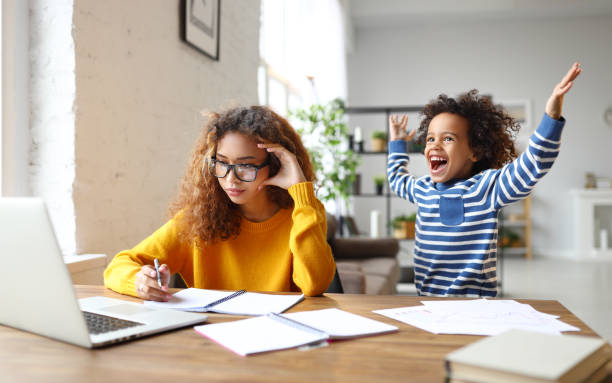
(182, 355)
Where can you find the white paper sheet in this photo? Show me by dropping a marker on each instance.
(340, 324)
(476, 317)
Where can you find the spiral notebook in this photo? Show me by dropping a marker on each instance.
(238, 302)
(282, 331)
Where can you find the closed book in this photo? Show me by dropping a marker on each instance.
(524, 356)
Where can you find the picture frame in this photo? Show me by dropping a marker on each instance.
(520, 110)
(200, 25)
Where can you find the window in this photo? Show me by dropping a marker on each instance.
(301, 65)
(14, 109)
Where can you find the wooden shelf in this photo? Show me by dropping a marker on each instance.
(514, 251)
(510, 223)
(522, 224)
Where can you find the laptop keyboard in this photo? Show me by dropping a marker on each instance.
(100, 324)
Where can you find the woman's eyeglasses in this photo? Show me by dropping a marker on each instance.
(244, 172)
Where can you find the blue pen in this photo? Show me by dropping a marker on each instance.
(157, 272)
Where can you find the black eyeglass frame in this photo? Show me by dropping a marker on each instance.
(230, 167)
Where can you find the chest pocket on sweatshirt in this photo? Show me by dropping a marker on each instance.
(451, 210)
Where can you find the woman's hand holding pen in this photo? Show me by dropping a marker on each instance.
(290, 172)
(397, 128)
(147, 286)
(555, 102)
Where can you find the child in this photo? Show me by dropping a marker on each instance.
(246, 216)
(468, 147)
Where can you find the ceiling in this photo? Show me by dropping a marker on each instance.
(385, 13)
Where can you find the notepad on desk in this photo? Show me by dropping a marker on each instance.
(229, 302)
(282, 331)
(525, 356)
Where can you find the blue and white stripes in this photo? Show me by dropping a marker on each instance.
(455, 251)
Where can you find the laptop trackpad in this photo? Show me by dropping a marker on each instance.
(125, 309)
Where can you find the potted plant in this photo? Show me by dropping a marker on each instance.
(403, 226)
(510, 239)
(379, 182)
(326, 137)
(379, 141)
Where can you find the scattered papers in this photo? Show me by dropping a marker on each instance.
(245, 304)
(477, 317)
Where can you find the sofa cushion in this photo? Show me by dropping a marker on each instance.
(352, 277)
(363, 247)
(386, 267)
(378, 285)
(380, 274)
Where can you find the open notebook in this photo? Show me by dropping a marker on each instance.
(228, 302)
(281, 331)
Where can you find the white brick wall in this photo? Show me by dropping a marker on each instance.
(139, 93)
(52, 95)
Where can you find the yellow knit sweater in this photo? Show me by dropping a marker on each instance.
(288, 252)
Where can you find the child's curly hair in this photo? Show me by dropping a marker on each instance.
(205, 211)
(491, 130)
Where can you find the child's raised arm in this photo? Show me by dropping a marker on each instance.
(555, 102)
(397, 128)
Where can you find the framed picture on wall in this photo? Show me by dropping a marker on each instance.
(520, 110)
(201, 26)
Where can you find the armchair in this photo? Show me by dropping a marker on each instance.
(364, 265)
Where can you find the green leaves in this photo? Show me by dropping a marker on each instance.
(396, 221)
(325, 134)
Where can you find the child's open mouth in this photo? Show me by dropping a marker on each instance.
(437, 164)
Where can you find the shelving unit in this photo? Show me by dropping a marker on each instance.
(518, 222)
(385, 111)
(517, 218)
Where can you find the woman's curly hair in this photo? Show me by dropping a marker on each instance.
(205, 211)
(491, 130)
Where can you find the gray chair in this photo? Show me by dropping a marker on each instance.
(364, 265)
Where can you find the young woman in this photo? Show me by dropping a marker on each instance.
(246, 217)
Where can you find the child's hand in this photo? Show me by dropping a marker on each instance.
(397, 128)
(555, 102)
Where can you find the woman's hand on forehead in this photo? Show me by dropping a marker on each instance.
(290, 172)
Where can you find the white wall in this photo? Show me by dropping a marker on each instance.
(510, 60)
(139, 93)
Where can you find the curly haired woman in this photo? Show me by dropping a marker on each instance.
(246, 217)
(470, 150)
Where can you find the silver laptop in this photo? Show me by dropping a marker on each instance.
(36, 292)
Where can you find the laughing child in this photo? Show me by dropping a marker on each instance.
(474, 172)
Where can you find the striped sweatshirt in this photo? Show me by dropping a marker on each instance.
(455, 252)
